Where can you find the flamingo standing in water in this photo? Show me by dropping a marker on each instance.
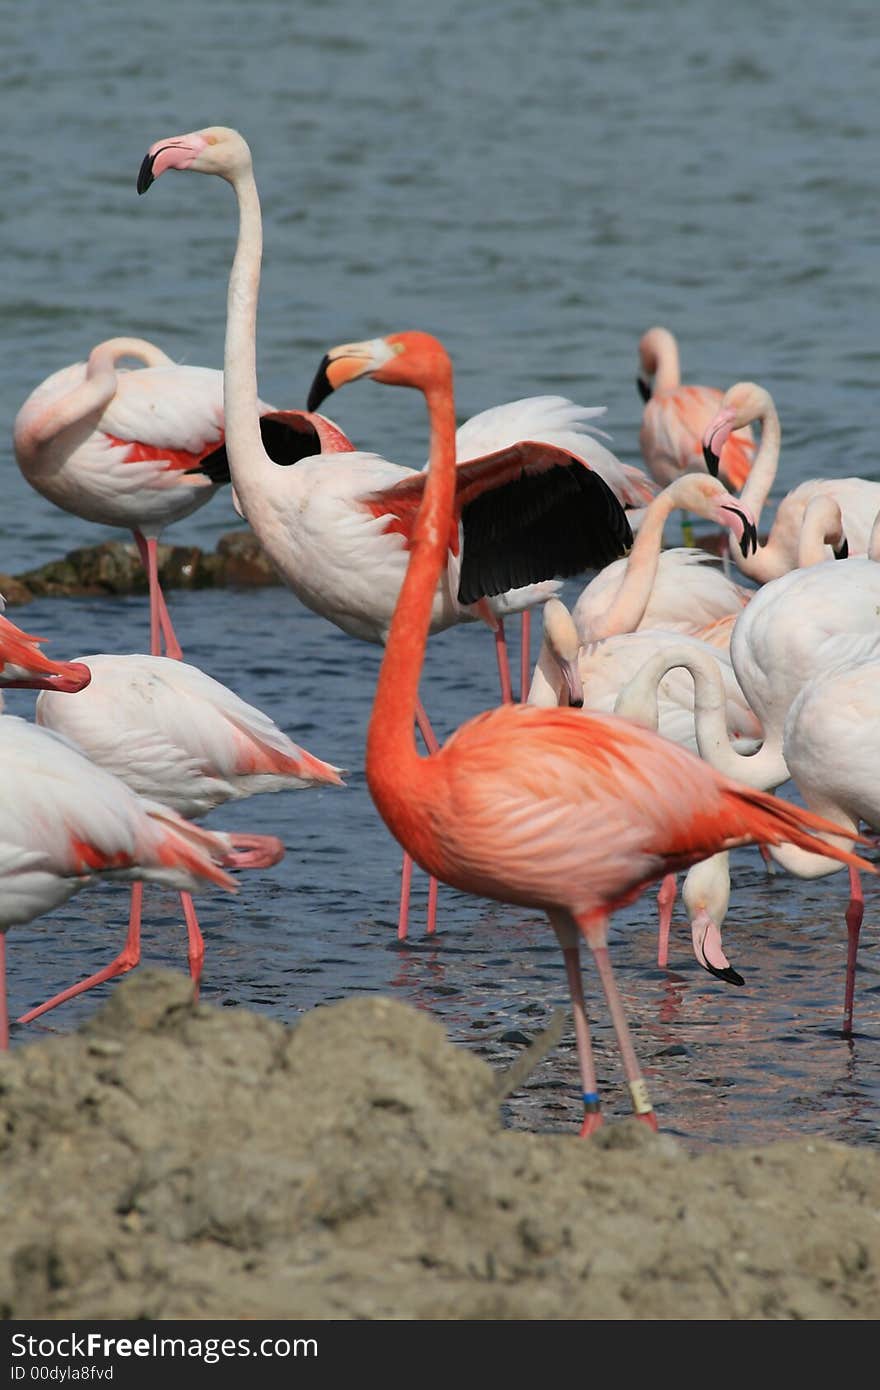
(857, 499)
(65, 822)
(339, 527)
(676, 416)
(553, 809)
(176, 736)
(141, 449)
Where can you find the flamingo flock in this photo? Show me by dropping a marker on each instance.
(661, 715)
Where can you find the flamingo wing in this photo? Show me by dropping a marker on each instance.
(528, 512)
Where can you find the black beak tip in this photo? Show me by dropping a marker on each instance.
(643, 388)
(728, 975)
(842, 552)
(145, 174)
(320, 388)
(577, 704)
(749, 540)
(711, 460)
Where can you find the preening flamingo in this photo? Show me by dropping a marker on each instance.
(65, 822)
(676, 416)
(141, 449)
(338, 526)
(176, 736)
(857, 498)
(678, 589)
(550, 809)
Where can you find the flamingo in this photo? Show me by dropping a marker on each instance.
(65, 822)
(552, 809)
(675, 417)
(553, 420)
(141, 449)
(176, 736)
(338, 526)
(676, 588)
(825, 765)
(857, 498)
(595, 677)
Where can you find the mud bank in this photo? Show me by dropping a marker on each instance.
(171, 1161)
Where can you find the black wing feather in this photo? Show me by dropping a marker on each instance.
(284, 442)
(546, 525)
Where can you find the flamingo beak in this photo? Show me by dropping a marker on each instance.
(347, 363)
(744, 528)
(644, 388)
(69, 677)
(145, 173)
(707, 948)
(573, 685)
(715, 439)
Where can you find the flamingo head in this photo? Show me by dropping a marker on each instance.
(67, 676)
(400, 359)
(215, 150)
(742, 404)
(706, 895)
(563, 644)
(707, 497)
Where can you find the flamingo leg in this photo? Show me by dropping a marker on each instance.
(405, 887)
(160, 618)
(432, 746)
(525, 654)
(503, 664)
(4, 1007)
(638, 1090)
(854, 913)
(665, 903)
(126, 960)
(767, 857)
(589, 1085)
(196, 953)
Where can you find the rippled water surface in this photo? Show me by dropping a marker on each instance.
(537, 184)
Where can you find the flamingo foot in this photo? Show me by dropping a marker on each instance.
(593, 1120)
(254, 852)
(650, 1119)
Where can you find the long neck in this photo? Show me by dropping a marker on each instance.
(546, 686)
(249, 463)
(638, 699)
(661, 360)
(392, 757)
(763, 472)
(627, 608)
(822, 525)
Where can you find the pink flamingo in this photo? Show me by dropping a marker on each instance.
(858, 499)
(141, 449)
(551, 809)
(339, 527)
(176, 736)
(65, 822)
(676, 416)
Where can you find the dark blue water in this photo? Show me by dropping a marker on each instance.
(537, 183)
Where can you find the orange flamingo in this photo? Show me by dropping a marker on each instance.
(553, 809)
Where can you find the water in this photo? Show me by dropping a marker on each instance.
(537, 184)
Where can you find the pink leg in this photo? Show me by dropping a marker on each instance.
(592, 1113)
(432, 746)
(4, 1007)
(854, 914)
(769, 862)
(637, 1088)
(405, 887)
(126, 960)
(159, 615)
(525, 654)
(665, 902)
(196, 953)
(503, 665)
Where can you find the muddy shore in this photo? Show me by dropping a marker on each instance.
(171, 1161)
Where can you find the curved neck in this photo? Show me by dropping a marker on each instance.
(392, 758)
(763, 472)
(874, 542)
(249, 464)
(822, 525)
(107, 354)
(546, 686)
(627, 608)
(660, 359)
(638, 699)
